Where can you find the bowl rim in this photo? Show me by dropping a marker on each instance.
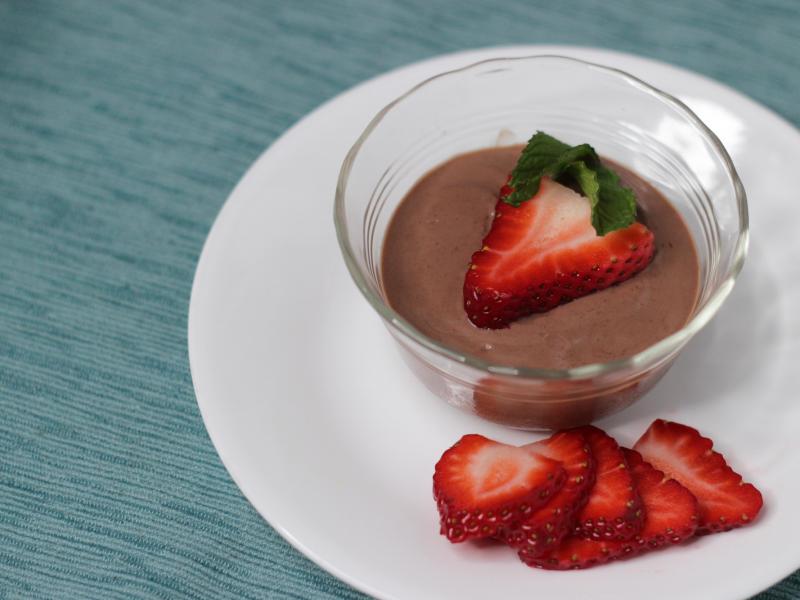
(652, 354)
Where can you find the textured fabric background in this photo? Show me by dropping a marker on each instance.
(123, 126)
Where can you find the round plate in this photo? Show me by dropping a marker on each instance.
(333, 441)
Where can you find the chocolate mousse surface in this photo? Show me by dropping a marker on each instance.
(442, 221)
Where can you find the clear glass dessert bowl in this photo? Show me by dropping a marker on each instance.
(502, 102)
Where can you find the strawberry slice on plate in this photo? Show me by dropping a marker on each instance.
(614, 508)
(481, 485)
(726, 502)
(546, 252)
(546, 527)
(671, 515)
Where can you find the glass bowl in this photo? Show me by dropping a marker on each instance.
(503, 101)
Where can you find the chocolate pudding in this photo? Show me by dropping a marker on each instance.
(443, 220)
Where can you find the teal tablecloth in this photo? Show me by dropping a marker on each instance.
(123, 126)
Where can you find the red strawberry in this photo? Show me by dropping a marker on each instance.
(481, 485)
(681, 452)
(545, 528)
(545, 253)
(671, 517)
(613, 510)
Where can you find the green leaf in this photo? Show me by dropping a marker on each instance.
(613, 206)
(586, 179)
(544, 155)
(617, 206)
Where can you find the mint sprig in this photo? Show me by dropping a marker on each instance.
(613, 206)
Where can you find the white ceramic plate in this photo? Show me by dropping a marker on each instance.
(334, 441)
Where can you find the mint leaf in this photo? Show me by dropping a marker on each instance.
(617, 206)
(544, 155)
(586, 179)
(613, 206)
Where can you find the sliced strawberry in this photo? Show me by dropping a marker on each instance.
(671, 517)
(545, 253)
(614, 509)
(671, 510)
(481, 485)
(546, 527)
(681, 452)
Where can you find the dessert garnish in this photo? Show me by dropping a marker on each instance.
(682, 453)
(545, 528)
(481, 485)
(549, 244)
(671, 517)
(538, 498)
(614, 509)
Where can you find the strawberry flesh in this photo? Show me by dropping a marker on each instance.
(545, 253)
(726, 502)
(671, 515)
(614, 509)
(546, 527)
(481, 485)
